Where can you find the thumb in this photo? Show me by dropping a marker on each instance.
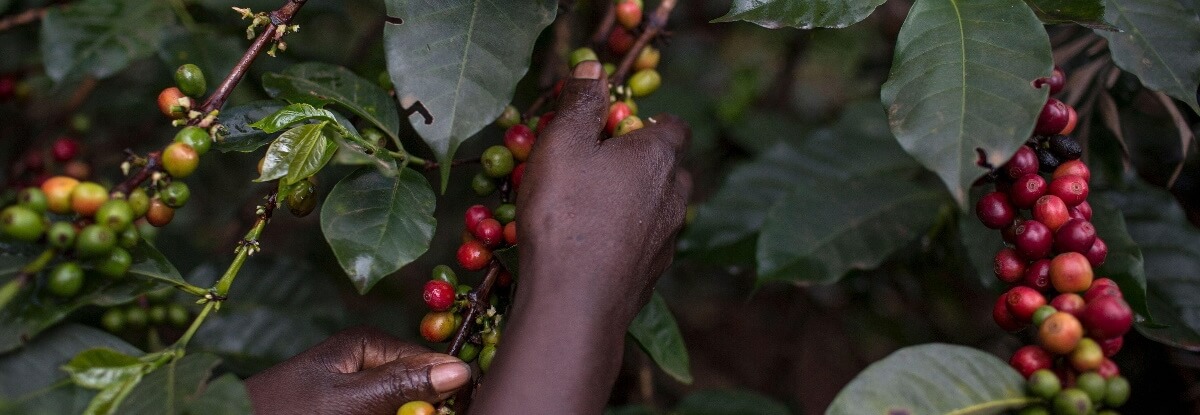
(429, 377)
(582, 108)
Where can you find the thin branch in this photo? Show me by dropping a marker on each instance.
(655, 24)
(281, 17)
(477, 301)
(23, 18)
(600, 36)
(433, 165)
(153, 165)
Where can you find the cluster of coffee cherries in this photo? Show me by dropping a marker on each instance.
(1051, 251)
(150, 310)
(34, 167)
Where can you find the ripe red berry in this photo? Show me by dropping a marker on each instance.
(474, 215)
(1083, 210)
(1102, 287)
(1069, 303)
(620, 41)
(1097, 253)
(1072, 119)
(1009, 267)
(994, 210)
(1070, 272)
(1003, 317)
(1106, 317)
(1055, 81)
(616, 112)
(1051, 211)
(1029, 359)
(629, 13)
(1037, 275)
(438, 295)
(519, 140)
(1023, 162)
(473, 256)
(1052, 119)
(1108, 369)
(65, 149)
(1073, 168)
(489, 232)
(1112, 346)
(510, 233)
(518, 173)
(1075, 236)
(544, 120)
(1023, 301)
(1060, 333)
(1073, 190)
(1033, 240)
(1009, 233)
(1026, 190)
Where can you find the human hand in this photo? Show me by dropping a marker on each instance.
(357, 371)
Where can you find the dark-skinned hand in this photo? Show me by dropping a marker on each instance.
(357, 371)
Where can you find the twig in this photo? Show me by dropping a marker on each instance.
(600, 36)
(281, 17)
(654, 26)
(477, 302)
(23, 18)
(433, 165)
(249, 244)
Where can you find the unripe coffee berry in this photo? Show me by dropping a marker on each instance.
(438, 295)
(136, 316)
(1044, 384)
(489, 232)
(416, 408)
(113, 320)
(1022, 302)
(65, 280)
(445, 273)
(1107, 317)
(581, 55)
(437, 326)
(1075, 236)
(994, 210)
(1037, 275)
(1060, 333)
(644, 82)
(1033, 240)
(1092, 384)
(87, 198)
(506, 213)
(58, 191)
(1116, 392)
(1073, 190)
(61, 235)
(473, 256)
(195, 137)
(33, 198)
(1023, 162)
(482, 184)
(519, 140)
(22, 223)
(474, 215)
(628, 125)
(180, 160)
(115, 214)
(159, 214)
(1052, 119)
(617, 111)
(95, 241)
(302, 199)
(1070, 272)
(648, 58)
(1087, 355)
(485, 357)
(1051, 211)
(497, 161)
(169, 101)
(64, 149)
(1029, 359)
(1069, 303)
(116, 264)
(178, 315)
(1026, 190)
(139, 202)
(1041, 314)
(190, 79)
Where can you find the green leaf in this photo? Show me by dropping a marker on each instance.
(172, 387)
(1158, 44)
(150, 264)
(320, 83)
(461, 59)
(655, 330)
(101, 368)
(823, 229)
(729, 402)
(349, 153)
(224, 396)
(1124, 263)
(34, 366)
(101, 37)
(934, 379)
(107, 401)
(774, 14)
(239, 135)
(960, 82)
(508, 258)
(298, 153)
(1089, 13)
(290, 115)
(377, 224)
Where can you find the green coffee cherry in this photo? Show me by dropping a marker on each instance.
(196, 137)
(1040, 314)
(129, 237)
(532, 122)
(609, 68)
(139, 202)
(190, 80)
(175, 194)
(505, 213)
(116, 264)
(33, 198)
(1044, 384)
(1072, 402)
(1092, 384)
(113, 320)
(491, 337)
(482, 184)
(115, 214)
(469, 352)
(81, 122)
(385, 81)
(644, 82)
(462, 289)
(445, 273)
(65, 280)
(61, 235)
(157, 314)
(497, 161)
(95, 241)
(628, 125)
(177, 315)
(485, 357)
(135, 317)
(509, 117)
(22, 223)
(1116, 392)
(302, 198)
(581, 55)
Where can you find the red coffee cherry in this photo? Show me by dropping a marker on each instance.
(510, 233)
(1003, 317)
(1023, 162)
(1023, 301)
(1009, 267)
(1029, 359)
(1026, 190)
(437, 326)
(489, 232)
(1052, 119)
(1070, 272)
(474, 215)
(1051, 211)
(517, 173)
(1060, 333)
(1102, 287)
(1069, 303)
(1075, 236)
(473, 256)
(994, 210)
(159, 214)
(544, 120)
(1009, 233)
(1107, 317)
(620, 41)
(168, 102)
(1073, 190)
(629, 13)
(1112, 346)
(616, 112)
(1097, 253)
(1108, 369)
(519, 140)
(1055, 81)
(438, 295)
(1037, 275)
(1073, 168)
(1072, 119)
(64, 149)
(1083, 210)
(1033, 240)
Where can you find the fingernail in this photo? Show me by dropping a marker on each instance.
(588, 70)
(447, 377)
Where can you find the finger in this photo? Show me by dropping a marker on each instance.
(665, 128)
(683, 185)
(361, 348)
(582, 107)
(429, 377)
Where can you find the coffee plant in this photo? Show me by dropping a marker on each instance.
(879, 174)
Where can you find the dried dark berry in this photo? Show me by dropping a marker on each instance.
(1065, 147)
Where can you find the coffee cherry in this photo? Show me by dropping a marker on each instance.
(135, 317)
(1047, 161)
(95, 241)
(1075, 236)
(180, 160)
(177, 315)
(482, 184)
(533, 121)
(1109, 369)
(1023, 301)
(490, 337)
(1052, 119)
(473, 256)
(1029, 359)
(1107, 317)
(1097, 253)
(519, 140)
(1037, 275)
(1066, 148)
(510, 233)
(1111, 346)
(489, 232)
(517, 174)
(116, 264)
(438, 295)
(628, 125)
(1033, 240)
(1051, 211)
(169, 103)
(416, 408)
(22, 223)
(1060, 333)
(617, 111)
(1072, 120)
(1069, 303)
(648, 58)
(1073, 190)
(1102, 287)
(1082, 210)
(445, 273)
(620, 41)
(1073, 168)
(1009, 233)
(644, 82)
(33, 198)
(506, 213)
(1041, 314)
(113, 320)
(58, 193)
(87, 198)
(1056, 81)
(509, 117)
(994, 210)
(195, 137)
(437, 326)
(61, 235)
(115, 214)
(485, 357)
(139, 202)
(1087, 355)
(497, 161)
(64, 149)
(159, 214)
(474, 215)
(1023, 162)
(1044, 384)
(581, 55)
(190, 79)
(65, 280)
(157, 314)
(1070, 272)
(544, 120)
(629, 13)
(1003, 317)
(469, 352)
(1026, 190)
(302, 199)
(1116, 392)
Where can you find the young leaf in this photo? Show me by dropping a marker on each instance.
(321, 83)
(238, 134)
(774, 14)
(290, 115)
(298, 153)
(1088, 13)
(655, 330)
(34, 366)
(461, 59)
(960, 82)
(1158, 44)
(934, 379)
(100, 37)
(377, 224)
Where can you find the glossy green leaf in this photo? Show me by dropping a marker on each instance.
(800, 14)
(1124, 263)
(729, 402)
(1158, 43)
(101, 37)
(377, 224)
(150, 264)
(934, 379)
(238, 135)
(350, 153)
(1089, 13)
(224, 396)
(298, 153)
(172, 387)
(108, 400)
(960, 83)
(461, 59)
(508, 258)
(100, 368)
(291, 115)
(821, 230)
(655, 330)
(320, 83)
(34, 366)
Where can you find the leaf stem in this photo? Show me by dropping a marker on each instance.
(248, 246)
(181, 344)
(11, 288)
